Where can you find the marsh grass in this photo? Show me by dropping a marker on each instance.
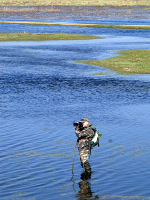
(75, 2)
(7, 9)
(142, 27)
(43, 36)
(127, 62)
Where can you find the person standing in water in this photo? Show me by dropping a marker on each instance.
(85, 132)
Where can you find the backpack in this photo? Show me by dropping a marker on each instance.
(95, 139)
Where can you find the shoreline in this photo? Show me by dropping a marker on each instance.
(141, 27)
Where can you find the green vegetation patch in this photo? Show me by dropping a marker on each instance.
(141, 27)
(43, 36)
(128, 62)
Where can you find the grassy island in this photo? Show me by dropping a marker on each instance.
(128, 62)
(43, 36)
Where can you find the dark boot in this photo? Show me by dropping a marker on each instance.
(85, 176)
(87, 167)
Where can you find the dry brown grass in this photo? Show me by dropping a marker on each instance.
(8, 9)
(75, 2)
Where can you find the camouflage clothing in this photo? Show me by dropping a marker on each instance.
(84, 136)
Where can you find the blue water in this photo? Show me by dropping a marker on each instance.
(43, 91)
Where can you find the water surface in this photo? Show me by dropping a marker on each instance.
(43, 91)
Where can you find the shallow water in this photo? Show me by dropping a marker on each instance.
(43, 91)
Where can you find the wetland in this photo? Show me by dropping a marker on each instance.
(44, 90)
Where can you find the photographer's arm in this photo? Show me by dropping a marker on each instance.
(77, 131)
(84, 133)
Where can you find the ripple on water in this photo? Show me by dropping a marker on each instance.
(40, 99)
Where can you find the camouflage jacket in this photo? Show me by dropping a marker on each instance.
(84, 137)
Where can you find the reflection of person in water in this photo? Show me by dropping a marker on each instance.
(85, 188)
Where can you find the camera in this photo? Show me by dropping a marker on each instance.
(78, 124)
